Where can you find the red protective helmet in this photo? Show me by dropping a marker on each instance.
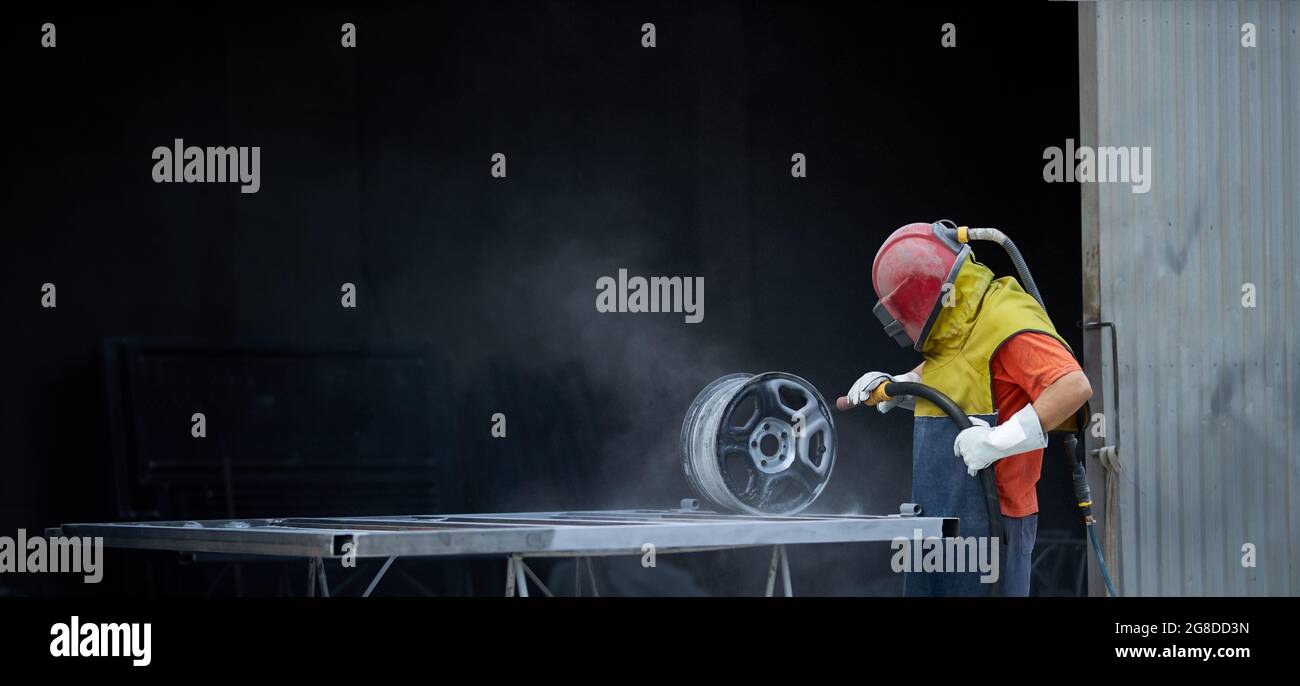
(909, 274)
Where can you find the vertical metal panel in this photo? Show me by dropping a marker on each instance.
(1209, 388)
(1091, 291)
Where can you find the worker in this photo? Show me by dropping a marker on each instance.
(991, 347)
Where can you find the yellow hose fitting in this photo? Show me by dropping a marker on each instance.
(878, 395)
(961, 235)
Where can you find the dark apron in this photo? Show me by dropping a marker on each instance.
(941, 486)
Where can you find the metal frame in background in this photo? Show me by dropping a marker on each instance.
(580, 535)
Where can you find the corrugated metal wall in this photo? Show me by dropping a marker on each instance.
(1208, 387)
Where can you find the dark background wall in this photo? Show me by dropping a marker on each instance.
(375, 170)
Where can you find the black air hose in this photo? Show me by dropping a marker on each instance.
(958, 417)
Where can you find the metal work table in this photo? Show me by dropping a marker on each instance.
(581, 535)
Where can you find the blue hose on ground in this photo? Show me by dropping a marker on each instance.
(1105, 573)
(1083, 498)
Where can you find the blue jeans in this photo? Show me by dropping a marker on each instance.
(1020, 532)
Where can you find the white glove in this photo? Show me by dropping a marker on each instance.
(868, 382)
(981, 446)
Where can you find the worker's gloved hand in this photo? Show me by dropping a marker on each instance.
(982, 445)
(868, 382)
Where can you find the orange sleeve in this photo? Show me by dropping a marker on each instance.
(1032, 361)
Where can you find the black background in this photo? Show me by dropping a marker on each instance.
(375, 170)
